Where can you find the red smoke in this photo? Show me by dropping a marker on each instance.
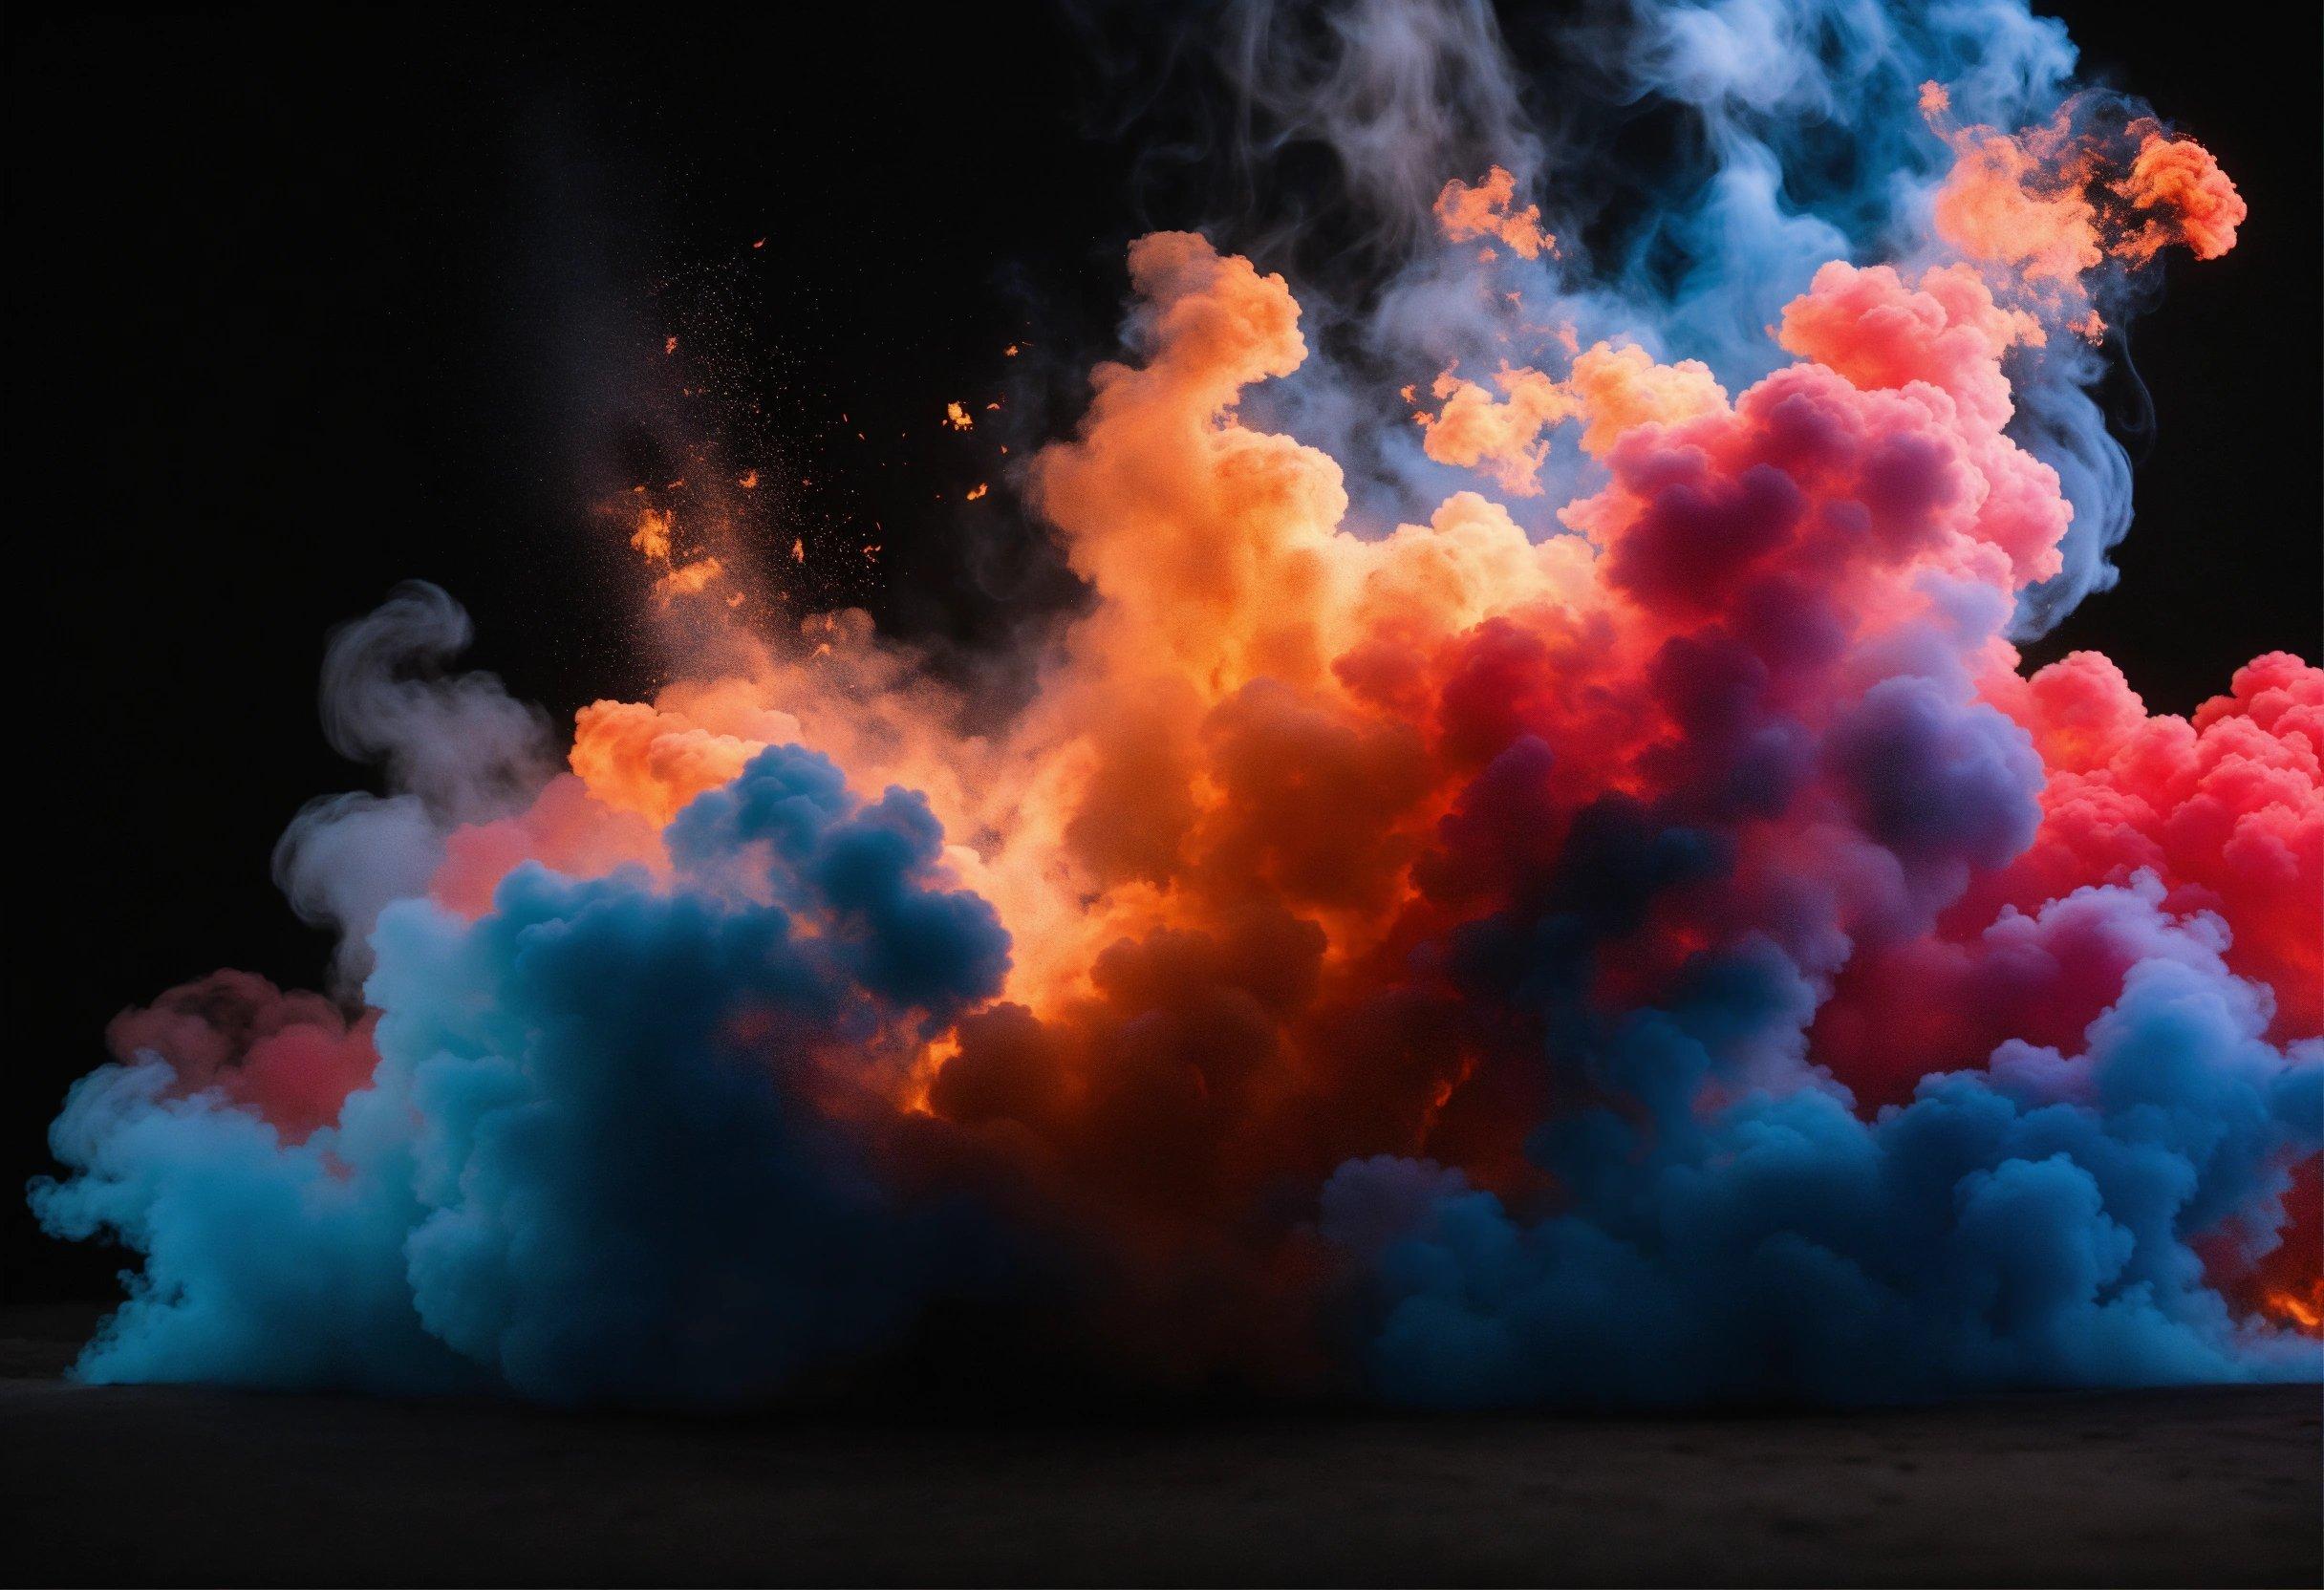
(290, 1059)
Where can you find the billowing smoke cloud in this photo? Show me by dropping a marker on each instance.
(1535, 872)
(1785, 133)
(593, 1159)
(2020, 1226)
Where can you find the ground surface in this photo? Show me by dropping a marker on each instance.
(176, 1485)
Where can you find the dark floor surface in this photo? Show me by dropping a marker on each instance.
(185, 1485)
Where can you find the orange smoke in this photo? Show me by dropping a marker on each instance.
(2053, 204)
(652, 537)
(2183, 195)
(1203, 833)
(1504, 437)
(680, 572)
(1613, 390)
(1489, 209)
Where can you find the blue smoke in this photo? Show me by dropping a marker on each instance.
(577, 1175)
(2023, 1226)
(1791, 135)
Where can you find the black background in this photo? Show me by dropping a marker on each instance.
(304, 305)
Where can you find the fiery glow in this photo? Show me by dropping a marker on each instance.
(2303, 1313)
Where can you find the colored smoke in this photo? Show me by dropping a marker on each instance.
(1537, 879)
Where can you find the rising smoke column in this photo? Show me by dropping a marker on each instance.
(1624, 930)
